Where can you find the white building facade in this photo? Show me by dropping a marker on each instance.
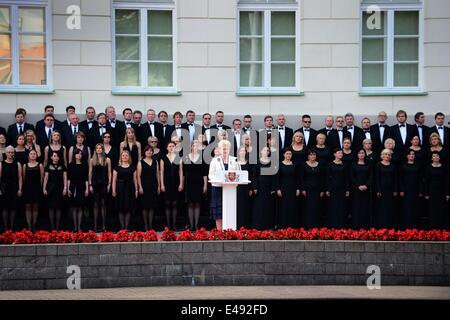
(256, 57)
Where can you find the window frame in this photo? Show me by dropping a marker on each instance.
(390, 36)
(15, 86)
(143, 88)
(267, 88)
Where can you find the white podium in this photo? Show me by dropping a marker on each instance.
(229, 195)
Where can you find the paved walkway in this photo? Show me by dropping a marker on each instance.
(238, 293)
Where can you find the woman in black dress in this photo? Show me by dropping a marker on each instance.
(410, 182)
(20, 154)
(299, 152)
(132, 146)
(10, 187)
(312, 187)
(32, 176)
(31, 144)
(244, 193)
(149, 186)
(196, 183)
(172, 183)
(78, 181)
(338, 188)
(420, 157)
(153, 143)
(396, 157)
(55, 145)
(323, 153)
(110, 152)
(436, 146)
(437, 191)
(371, 157)
(348, 156)
(81, 144)
(263, 186)
(125, 188)
(386, 190)
(55, 188)
(100, 176)
(288, 190)
(2, 147)
(361, 174)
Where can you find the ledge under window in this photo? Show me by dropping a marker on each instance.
(392, 93)
(27, 91)
(270, 94)
(145, 93)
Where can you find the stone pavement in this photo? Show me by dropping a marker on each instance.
(238, 293)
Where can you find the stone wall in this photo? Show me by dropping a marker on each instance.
(26, 267)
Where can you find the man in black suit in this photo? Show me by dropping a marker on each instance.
(193, 128)
(219, 122)
(367, 130)
(402, 132)
(176, 130)
(249, 130)
(151, 128)
(167, 129)
(90, 121)
(69, 132)
(122, 126)
(327, 130)
(95, 135)
(206, 128)
(266, 132)
(356, 133)
(48, 110)
(441, 129)
(285, 133)
(336, 137)
(43, 134)
(237, 136)
(114, 126)
(19, 127)
(380, 132)
(308, 132)
(422, 129)
(69, 110)
(137, 118)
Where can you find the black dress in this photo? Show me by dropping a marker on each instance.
(299, 157)
(84, 154)
(337, 184)
(113, 155)
(149, 182)
(125, 189)
(323, 156)
(386, 184)
(61, 151)
(171, 179)
(99, 181)
(10, 184)
(133, 149)
(312, 181)
(436, 187)
(421, 158)
(288, 181)
(55, 186)
(362, 200)
(31, 189)
(244, 204)
(410, 181)
(78, 176)
(348, 160)
(443, 155)
(194, 173)
(263, 207)
(21, 157)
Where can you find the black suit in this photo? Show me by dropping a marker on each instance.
(358, 137)
(254, 140)
(334, 141)
(312, 137)
(41, 124)
(424, 142)
(69, 137)
(85, 124)
(42, 138)
(288, 134)
(146, 132)
(121, 129)
(327, 132)
(377, 142)
(235, 146)
(12, 133)
(198, 129)
(411, 131)
(223, 127)
(117, 132)
(95, 137)
(446, 141)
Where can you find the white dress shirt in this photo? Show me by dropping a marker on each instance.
(237, 134)
(306, 134)
(403, 131)
(381, 130)
(152, 128)
(440, 130)
(351, 129)
(282, 133)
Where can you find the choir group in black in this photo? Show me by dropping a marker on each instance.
(341, 176)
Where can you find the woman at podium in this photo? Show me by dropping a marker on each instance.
(219, 164)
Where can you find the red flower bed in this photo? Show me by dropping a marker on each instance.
(27, 237)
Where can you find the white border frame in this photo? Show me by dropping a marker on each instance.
(390, 9)
(267, 89)
(16, 87)
(143, 10)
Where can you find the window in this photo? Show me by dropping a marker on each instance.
(391, 48)
(144, 48)
(268, 48)
(25, 48)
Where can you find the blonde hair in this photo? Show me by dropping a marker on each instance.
(125, 140)
(298, 133)
(387, 151)
(95, 161)
(51, 137)
(436, 135)
(224, 142)
(130, 161)
(390, 140)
